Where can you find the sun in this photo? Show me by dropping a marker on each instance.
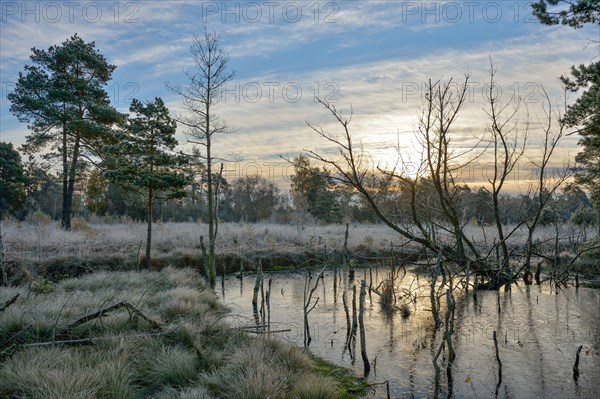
(394, 152)
(388, 141)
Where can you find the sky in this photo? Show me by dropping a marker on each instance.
(367, 57)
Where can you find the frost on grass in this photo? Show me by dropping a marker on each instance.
(34, 241)
(193, 354)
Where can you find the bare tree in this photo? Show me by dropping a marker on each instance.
(546, 181)
(439, 167)
(203, 92)
(444, 165)
(436, 220)
(508, 144)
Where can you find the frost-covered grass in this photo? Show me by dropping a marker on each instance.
(40, 241)
(194, 354)
(26, 240)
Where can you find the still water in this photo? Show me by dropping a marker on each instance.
(538, 333)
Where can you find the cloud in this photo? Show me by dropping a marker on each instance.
(377, 94)
(372, 57)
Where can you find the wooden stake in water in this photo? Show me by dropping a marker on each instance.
(335, 277)
(257, 286)
(354, 314)
(361, 323)
(345, 253)
(497, 359)
(348, 324)
(576, 365)
(268, 298)
(432, 296)
(262, 297)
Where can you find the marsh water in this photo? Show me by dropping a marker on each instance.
(539, 330)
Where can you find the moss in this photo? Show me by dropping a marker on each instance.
(349, 386)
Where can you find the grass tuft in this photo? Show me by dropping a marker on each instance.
(160, 365)
(196, 354)
(48, 373)
(314, 387)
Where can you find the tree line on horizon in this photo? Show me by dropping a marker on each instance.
(313, 198)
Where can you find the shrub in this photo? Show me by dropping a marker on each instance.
(41, 286)
(80, 224)
(38, 218)
(584, 216)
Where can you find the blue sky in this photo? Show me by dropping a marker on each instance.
(373, 56)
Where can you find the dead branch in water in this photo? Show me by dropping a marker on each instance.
(307, 303)
(257, 288)
(576, 365)
(363, 342)
(498, 360)
(348, 325)
(434, 309)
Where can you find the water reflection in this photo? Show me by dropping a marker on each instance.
(538, 333)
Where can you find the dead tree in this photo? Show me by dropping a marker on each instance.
(439, 166)
(207, 81)
(434, 218)
(508, 144)
(545, 183)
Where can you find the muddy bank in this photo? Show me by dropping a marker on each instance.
(60, 267)
(57, 268)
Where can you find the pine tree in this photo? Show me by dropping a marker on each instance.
(62, 97)
(585, 112)
(144, 159)
(12, 180)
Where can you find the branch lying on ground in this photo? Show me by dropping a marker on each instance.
(9, 302)
(100, 313)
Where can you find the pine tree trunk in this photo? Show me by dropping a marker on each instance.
(148, 261)
(66, 214)
(71, 187)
